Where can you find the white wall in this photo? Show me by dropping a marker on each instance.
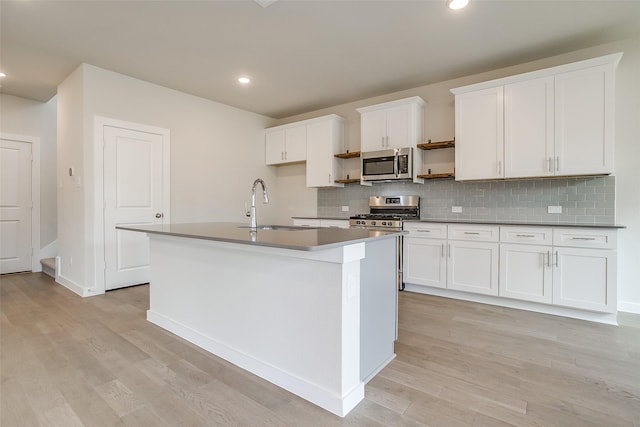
(439, 125)
(26, 117)
(216, 153)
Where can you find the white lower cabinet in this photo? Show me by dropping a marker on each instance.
(585, 279)
(463, 264)
(525, 272)
(570, 267)
(318, 222)
(425, 262)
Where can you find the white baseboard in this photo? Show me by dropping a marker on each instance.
(73, 286)
(339, 405)
(629, 307)
(592, 316)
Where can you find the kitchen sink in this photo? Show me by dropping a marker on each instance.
(280, 227)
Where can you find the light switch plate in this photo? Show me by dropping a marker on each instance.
(456, 209)
(345, 209)
(554, 209)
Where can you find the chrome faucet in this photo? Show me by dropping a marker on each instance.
(265, 198)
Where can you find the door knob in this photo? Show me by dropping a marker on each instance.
(159, 215)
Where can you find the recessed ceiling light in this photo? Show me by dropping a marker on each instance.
(457, 4)
(244, 80)
(2, 74)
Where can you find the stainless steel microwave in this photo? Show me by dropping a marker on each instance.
(387, 165)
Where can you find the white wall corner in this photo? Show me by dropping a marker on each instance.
(629, 307)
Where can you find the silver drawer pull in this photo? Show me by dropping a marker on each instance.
(472, 232)
(423, 231)
(583, 238)
(525, 235)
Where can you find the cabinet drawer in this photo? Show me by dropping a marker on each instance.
(482, 233)
(585, 238)
(526, 235)
(426, 230)
(306, 222)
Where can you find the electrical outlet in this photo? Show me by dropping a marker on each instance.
(554, 209)
(345, 209)
(456, 209)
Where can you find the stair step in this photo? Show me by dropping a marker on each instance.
(49, 266)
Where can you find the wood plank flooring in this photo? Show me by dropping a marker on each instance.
(71, 361)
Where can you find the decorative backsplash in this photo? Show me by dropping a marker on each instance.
(586, 200)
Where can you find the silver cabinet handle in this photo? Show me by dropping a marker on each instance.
(475, 233)
(557, 163)
(383, 142)
(525, 235)
(556, 254)
(449, 248)
(423, 231)
(548, 258)
(549, 165)
(443, 250)
(583, 238)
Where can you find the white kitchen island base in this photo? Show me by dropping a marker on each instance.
(292, 317)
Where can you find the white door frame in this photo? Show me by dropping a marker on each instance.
(35, 194)
(98, 231)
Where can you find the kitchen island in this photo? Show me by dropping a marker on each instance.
(313, 311)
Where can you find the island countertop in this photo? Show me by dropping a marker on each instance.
(283, 236)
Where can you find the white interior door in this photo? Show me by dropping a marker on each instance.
(133, 195)
(15, 206)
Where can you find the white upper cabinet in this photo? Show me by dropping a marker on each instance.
(479, 134)
(324, 139)
(528, 128)
(286, 144)
(584, 104)
(552, 122)
(395, 124)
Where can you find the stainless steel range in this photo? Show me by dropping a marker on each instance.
(388, 212)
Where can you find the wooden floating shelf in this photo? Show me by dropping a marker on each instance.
(349, 155)
(437, 175)
(436, 145)
(347, 181)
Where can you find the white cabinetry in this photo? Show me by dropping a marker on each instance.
(395, 124)
(466, 261)
(552, 122)
(528, 128)
(584, 274)
(319, 222)
(473, 258)
(324, 139)
(479, 134)
(286, 144)
(525, 263)
(424, 254)
(569, 271)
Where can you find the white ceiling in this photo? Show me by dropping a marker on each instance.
(302, 55)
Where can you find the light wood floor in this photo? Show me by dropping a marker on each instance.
(69, 361)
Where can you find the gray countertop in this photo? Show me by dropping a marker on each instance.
(491, 222)
(296, 238)
(520, 223)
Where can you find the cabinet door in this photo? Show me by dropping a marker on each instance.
(473, 267)
(479, 131)
(584, 102)
(397, 125)
(374, 131)
(529, 129)
(424, 262)
(323, 140)
(585, 279)
(274, 147)
(525, 272)
(295, 144)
